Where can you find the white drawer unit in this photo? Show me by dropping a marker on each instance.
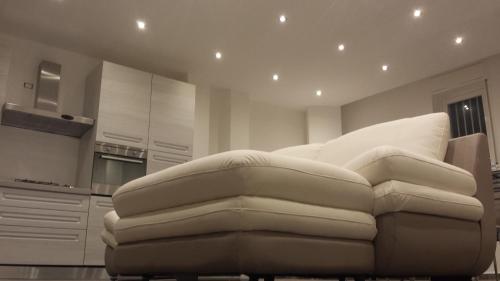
(43, 200)
(94, 247)
(41, 246)
(158, 161)
(172, 116)
(42, 218)
(41, 227)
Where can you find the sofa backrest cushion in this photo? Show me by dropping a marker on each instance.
(307, 151)
(425, 135)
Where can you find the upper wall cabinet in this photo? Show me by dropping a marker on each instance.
(172, 116)
(124, 105)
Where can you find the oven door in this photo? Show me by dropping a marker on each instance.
(114, 167)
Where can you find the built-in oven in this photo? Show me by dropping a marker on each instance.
(115, 165)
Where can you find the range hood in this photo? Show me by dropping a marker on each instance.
(44, 116)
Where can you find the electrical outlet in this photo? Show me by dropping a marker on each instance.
(28, 85)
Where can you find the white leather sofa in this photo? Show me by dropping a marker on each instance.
(395, 199)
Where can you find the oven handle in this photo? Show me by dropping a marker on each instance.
(123, 159)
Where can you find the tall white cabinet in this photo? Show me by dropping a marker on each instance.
(124, 105)
(135, 109)
(171, 123)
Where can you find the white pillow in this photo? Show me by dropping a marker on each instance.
(425, 135)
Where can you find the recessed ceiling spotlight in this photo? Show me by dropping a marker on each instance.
(319, 93)
(141, 24)
(385, 67)
(218, 55)
(276, 77)
(417, 13)
(341, 47)
(283, 18)
(459, 40)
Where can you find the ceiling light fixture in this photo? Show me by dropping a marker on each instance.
(141, 24)
(385, 67)
(218, 55)
(417, 13)
(276, 77)
(319, 93)
(283, 18)
(459, 40)
(341, 47)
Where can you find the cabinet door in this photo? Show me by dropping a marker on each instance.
(172, 116)
(124, 105)
(158, 161)
(94, 247)
(42, 218)
(41, 245)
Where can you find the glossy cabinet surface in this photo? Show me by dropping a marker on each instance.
(172, 116)
(158, 160)
(124, 105)
(42, 228)
(94, 247)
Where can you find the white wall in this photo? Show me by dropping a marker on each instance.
(323, 123)
(273, 127)
(201, 122)
(32, 154)
(416, 98)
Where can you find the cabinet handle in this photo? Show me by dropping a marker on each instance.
(172, 146)
(168, 159)
(41, 199)
(122, 137)
(41, 236)
(104, 204)
(37, 217)
(122, 159)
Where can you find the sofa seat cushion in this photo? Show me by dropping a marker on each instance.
(245, 172)
(244, 214)
(396, 196)
(426, 135)
(386, 163)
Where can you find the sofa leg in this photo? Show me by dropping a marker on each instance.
(187, 277)
(146, 278)
(253, 278)
(341, 278)
(451, 278)
(269, 278)
(359, 278)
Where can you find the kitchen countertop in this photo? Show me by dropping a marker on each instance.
(43, 187)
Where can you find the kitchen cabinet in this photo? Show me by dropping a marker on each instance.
(158, 160)
(42, 228)
(124, 104)
(94, 247)
(172, 116)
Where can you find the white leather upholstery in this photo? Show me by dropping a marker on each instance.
(245, 172)
(426, 135)
(307, 151)
(386, 163)
(244, 214)
(396, 196)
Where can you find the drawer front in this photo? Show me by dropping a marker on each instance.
(41, 246)
(43, 200)
(99, 206)
(42, 218)
(94, 247)
(158, 161)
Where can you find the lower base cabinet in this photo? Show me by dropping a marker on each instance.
(42, 228)
(94, 247)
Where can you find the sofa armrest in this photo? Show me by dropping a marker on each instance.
(471, 153)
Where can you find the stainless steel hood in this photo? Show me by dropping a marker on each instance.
(44, 115)
(46, 121)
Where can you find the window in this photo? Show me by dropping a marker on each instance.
(467, 117)
(468, 108)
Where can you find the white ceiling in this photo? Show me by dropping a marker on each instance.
(182, 36)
